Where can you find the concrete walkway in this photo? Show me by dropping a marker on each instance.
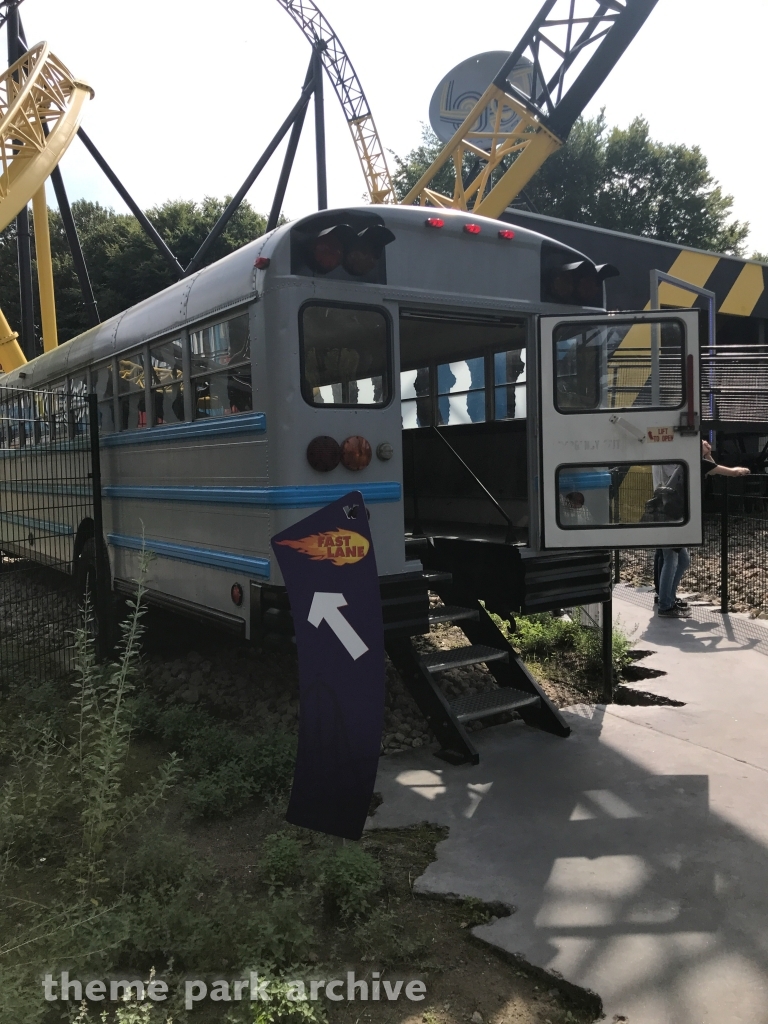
(636, 851)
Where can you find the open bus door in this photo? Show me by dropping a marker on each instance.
(620, 452)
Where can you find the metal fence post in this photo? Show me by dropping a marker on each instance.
(101, 597)
(617, 565)
(607, 624)
(724, 548)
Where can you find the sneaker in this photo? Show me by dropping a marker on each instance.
(680, 603)
(674, 613)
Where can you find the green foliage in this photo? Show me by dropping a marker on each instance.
(123, 264)
(541, 637)
(617, 178)
(284, 1008)
(281, 859)
(351, 880)
(224, 769)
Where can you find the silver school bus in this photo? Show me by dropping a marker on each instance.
(462, 374)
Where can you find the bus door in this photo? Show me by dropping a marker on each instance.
(619, 439)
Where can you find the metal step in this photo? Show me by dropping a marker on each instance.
(451, 613)
(460, 657)
(491, 702)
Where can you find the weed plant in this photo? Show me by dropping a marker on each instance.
(561, 643)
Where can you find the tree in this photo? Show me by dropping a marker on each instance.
(123, 264)
(620, 179)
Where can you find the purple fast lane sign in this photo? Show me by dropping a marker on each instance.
(329, 568)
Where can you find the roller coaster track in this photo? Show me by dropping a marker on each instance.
(41, 105)
(347, 87)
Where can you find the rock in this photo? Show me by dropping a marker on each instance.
(191, 695)
(477, 1018)
(196, 678)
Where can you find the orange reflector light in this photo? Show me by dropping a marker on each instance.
(262, 262)
(472, 229)
(434, 222)
(355, 453)
(236, 593)
(506, 233)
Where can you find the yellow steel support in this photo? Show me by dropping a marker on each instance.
(529, 144)
(44, 270)
(11, 356)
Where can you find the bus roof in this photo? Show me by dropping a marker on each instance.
(449, 265)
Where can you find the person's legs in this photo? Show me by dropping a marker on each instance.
(683, 565)
(658, 561)
(668, 580)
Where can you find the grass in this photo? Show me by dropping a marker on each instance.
(115, 813)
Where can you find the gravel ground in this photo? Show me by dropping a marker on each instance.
(258, 685)
(747, 565)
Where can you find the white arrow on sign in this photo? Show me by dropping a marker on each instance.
(326, 606)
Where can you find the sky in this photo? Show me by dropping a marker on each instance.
(187, 94)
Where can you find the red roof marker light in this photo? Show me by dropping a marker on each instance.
(506, 233)
(434, 222)
(472, 229)
(262, 262)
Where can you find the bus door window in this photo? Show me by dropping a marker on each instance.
(345, 355)
(461, 391)
(132, 402)
(103, 385)
(622, 494)
(619, 366)
(416, 398)
(221, 368)
(509, 401)
(167, 380)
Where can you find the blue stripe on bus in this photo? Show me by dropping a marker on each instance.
(197, 556)
(255, 422)
(58, 529)
(28, 487)
(264, 497)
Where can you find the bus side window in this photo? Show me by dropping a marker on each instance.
(416, 400)
(132, 400)
(78, 406)
(461, 391)
(221, 368)
(509, 401)
(101, 377)
(167, 378)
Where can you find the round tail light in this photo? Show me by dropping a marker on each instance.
(236, 593)
(327, 253)
(356, 453)
(323, 453)
(360, 260)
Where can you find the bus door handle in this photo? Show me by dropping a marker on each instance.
(628, 428)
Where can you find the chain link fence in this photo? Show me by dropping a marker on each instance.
(731, 567)
(46, 520)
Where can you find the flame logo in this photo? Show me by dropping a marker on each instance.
(341, 547)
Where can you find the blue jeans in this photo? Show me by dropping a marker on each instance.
(676, 562)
